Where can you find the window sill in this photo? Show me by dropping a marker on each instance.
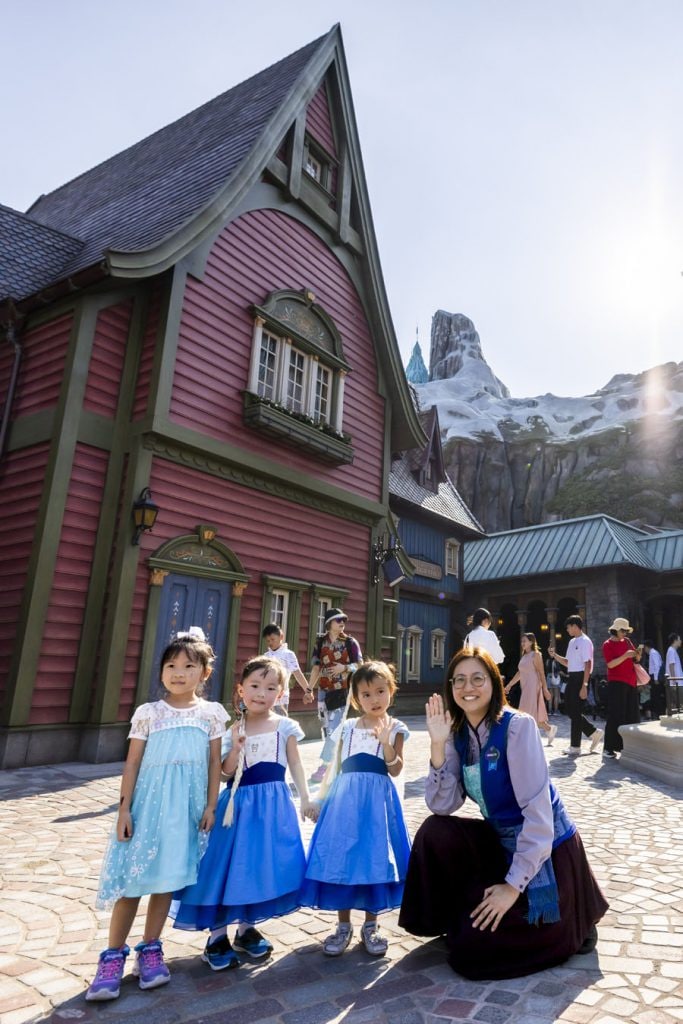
(275, 421)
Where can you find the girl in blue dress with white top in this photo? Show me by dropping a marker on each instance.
(169, 790)
(359, 851)
(254, 863)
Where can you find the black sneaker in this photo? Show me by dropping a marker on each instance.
(220, 955)
(610, 754)
(253, 945)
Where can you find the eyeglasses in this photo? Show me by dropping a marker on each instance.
(339, 620)
(478, 680)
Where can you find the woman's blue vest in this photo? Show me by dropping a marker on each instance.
(502, 809)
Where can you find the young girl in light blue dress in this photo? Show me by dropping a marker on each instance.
(359, 852)
(169, 790)
(254, 863)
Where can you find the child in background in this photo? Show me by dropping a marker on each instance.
(254, 864)
(277, 648)
(359, 851)
(169, 791)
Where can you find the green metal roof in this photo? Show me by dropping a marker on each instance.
(587, 542)
(665, 550)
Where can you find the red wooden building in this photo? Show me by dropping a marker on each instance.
(202, 315)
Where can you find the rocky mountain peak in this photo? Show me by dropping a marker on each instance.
(456, 349)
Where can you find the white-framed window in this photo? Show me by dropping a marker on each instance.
(452, 557)
(296, 379)
(321, 400)
(314, 167)
(400, 635)
(413, 645)
(324, 605)
(279, 603)
(438, 638)
(267, 366)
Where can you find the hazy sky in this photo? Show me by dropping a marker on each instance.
(524, 157)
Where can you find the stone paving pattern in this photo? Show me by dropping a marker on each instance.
(54, 824)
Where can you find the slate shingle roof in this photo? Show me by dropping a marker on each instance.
(445, 502)
(31, 254)
(137, 198)
(590, 541)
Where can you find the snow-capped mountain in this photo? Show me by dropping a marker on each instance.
(519, 461)
(471, 400)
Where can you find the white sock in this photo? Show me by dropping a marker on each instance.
(216, 934)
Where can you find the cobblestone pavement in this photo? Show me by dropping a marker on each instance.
(54, 824)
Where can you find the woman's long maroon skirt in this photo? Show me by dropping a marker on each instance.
(451, 863)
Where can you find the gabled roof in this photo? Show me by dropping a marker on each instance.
(31, 254)
(445, 502)
(143, 210)
(665, 550)
(139, 197)
(587, 542)
(419, 457)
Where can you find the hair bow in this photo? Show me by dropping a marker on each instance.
(193, 633)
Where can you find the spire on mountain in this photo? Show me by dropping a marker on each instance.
(416, 371)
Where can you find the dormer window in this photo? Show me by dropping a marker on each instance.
(314, 167)
(298, 371)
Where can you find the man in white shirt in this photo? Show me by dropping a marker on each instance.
(579, 665)
(277, 648)
(657, 702)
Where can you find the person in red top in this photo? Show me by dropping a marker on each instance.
(622, 695)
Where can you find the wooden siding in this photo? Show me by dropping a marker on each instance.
(23, 475)
(269, 535)
(427, 616)
(428, 542)
(64, 619)
(147, 356)
(42, 366)
(319, 121)
(106, 361)
(258, 253)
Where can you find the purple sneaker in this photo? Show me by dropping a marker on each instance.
(149, 965)
(107, 981)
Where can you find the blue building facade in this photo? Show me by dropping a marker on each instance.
(433, 523)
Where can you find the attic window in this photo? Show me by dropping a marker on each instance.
(318, 165)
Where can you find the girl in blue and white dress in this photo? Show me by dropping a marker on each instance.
(254, 863)
(359, 852)
(169, 790)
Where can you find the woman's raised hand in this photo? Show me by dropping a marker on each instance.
(439, 722)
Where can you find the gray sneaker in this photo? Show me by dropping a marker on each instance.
(334, 945)
(375, 944)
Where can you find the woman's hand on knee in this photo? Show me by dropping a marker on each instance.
(496, 902)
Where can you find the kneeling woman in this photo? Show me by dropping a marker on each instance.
(513, 894)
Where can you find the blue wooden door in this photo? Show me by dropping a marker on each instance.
(192, 601)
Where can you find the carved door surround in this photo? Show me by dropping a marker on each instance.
(204, 557)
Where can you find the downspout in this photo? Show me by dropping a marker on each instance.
(12, 387)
